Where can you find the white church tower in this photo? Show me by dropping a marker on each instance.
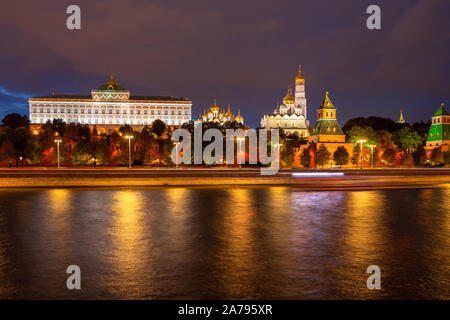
(300, 98)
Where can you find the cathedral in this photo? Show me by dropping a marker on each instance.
(219, 115)
(290, 115)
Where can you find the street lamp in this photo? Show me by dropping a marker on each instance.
(58, 141)
(240, 139)
(361, 142)
(129, 150)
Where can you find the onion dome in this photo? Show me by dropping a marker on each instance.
(215, 107)
(299, 79)
(111, 85)
(239, 118)
(289, 98)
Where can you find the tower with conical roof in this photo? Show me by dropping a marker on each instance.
(327, 128)
(401, 120)
(439, 134)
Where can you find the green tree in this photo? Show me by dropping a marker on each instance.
(341, 156)
(305, 158)
(389, 156)
(356, 155)
(158, 128)
(323, 155)
(33, 151)
(447, 157)
(420, 156)
(15, 120)
(406, 138)
(437, 157)
(362, 133)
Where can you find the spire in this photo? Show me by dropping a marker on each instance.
(326, 103)
(401, 120)
(299, 78)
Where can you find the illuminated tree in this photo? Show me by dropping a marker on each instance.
(341, 156)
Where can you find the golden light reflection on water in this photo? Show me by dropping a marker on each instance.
(365, 234)
(236, 251)
(127, 232)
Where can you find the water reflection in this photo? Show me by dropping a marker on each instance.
(255, 243)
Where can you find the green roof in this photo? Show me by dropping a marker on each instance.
(327, 127)
(441, 111)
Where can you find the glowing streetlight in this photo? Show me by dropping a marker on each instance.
(58, 141)
(361, 142)
(129, 150)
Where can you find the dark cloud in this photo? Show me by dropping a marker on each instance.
(244, 53)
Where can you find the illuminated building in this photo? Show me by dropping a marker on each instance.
(219, 115)
(291, 114)
(438, 135)
(327, 130)
(109, 105)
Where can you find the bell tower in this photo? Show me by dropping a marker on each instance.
(300, 97)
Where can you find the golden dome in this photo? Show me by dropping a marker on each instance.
(215, 107)
(289, 98)
(239, 118)
(299, 78)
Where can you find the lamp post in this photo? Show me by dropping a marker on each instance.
(129, 150)
(58, 141)
(240, 139)
(361, 142)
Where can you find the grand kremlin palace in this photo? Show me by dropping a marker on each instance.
(109, 106)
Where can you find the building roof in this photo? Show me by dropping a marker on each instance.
(327, 127)
(326, 103)
(89, 97)
(111, 85)
(441, 111)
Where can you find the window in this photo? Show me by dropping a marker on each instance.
(96, 111)
(124, 111)
(55, 110)
(48, 110)
(82, 111)
(103, 111)
(34, 110)
(117, 111)
(68, 111)
(110, 111)
(42, 110)
(89, 111)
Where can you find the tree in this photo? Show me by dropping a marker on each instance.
(356, 155)
(305, 158)
(59, 126)
(389, 156)
(376, 123)
(437, 157)
(367, 133)
(323, 155)
(406, 138)
(420, 156)
(385, 140)
(15, 120)
(341, 156)
(158, 128)
(447, 157)
(33, 151)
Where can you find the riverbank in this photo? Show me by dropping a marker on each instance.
(315, 179)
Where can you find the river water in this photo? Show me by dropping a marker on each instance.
(224, 243)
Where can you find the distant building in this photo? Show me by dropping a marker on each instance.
(219, 115)
(401, 120)
(110, 105)
(439, 134)
(327, 130)
(291, 114)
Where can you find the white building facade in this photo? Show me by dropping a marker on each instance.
(110, 104)
(290, 115)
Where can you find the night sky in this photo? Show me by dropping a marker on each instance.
(243, 53)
